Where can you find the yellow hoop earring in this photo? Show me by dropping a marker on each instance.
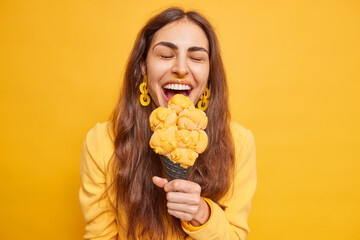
(204, 102)
(144, 97)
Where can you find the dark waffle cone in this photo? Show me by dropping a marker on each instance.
(174, 170)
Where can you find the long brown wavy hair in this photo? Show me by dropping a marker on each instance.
(135, 163)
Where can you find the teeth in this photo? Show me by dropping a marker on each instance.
(177, 87)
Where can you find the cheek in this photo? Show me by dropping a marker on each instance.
(202, 74)
(155, 70)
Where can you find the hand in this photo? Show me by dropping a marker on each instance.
(184, 200)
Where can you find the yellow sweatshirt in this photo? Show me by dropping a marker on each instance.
(98, 208)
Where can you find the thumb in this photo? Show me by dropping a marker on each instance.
(160, 182)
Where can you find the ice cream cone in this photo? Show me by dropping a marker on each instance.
(179, 135)
(174, 170)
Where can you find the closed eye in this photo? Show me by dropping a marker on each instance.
(166, 56)
(196, 59)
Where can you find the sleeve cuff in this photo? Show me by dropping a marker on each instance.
(192, 228)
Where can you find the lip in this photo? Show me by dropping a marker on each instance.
(183, 81)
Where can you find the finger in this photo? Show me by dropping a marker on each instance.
(179, 185)
(160, 182)
(189, 209)
(183, 198)
(181, 215)
(197, 214)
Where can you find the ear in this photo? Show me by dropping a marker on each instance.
(143, 68)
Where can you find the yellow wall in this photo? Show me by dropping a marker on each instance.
(294, 71)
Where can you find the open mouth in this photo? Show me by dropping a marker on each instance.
(170, 90)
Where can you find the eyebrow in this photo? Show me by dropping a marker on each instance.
(173, 46)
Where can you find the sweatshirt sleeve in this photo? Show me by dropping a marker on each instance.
(232, 224)
(99, 215)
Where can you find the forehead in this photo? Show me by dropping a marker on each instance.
(183, 33)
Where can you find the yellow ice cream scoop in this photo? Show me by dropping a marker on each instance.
(183, 156)
(180, 102)
(192, 119)
(163, 141)
(195, 140)
(161, 118)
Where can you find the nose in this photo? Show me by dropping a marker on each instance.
(180, 68)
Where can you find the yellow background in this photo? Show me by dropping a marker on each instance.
(293, 69)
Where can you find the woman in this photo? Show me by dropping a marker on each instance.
(124, 194)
